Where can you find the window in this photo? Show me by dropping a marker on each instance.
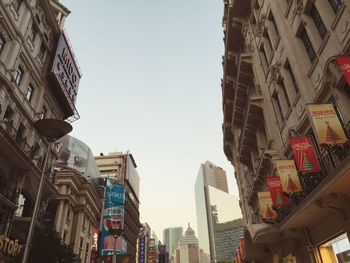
(308, 45)
(43, 113)
(29, 92)
(283, 87)
(274, 28)
(335, 4)
(318, 21)
(292, 77)
(278, 107)
(41, 51)
(264, 59)
(18, 75)
(2, 43)
(32, 33)
(17, 4)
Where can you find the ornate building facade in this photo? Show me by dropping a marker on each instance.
(31, 32)
(280, 58)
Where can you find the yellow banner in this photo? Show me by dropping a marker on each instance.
(289, 176)
(326, 124)
(266, 210)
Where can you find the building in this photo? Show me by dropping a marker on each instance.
(211, 190)
(120, 168)
(227, 239)
(31, 42)
(145, 235)
(188, 245)
(282, 84)
(171, 237)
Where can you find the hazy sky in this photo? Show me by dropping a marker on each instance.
(151, 85)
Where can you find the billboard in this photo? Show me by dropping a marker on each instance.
(111, 241)
(65, 70)
(132, 175)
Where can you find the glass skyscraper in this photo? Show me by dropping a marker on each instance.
(171, 237)
(211, 190)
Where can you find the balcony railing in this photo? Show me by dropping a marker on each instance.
(23, 144)
(331, 157)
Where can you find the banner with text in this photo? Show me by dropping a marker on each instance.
(304, 154)
(275, 187)
(344, 64)
(326, 124)
(265, 202)
(289, 176)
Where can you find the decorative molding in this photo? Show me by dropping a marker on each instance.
(260, 24)
(275, 71)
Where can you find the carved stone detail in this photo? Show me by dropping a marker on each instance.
(275, 71)
(260, 24)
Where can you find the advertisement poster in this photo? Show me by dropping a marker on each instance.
(304, 154)
(344, 64)
(289, 176)
(265, 202)
(111, 239)
(276, 191)
(326, 124)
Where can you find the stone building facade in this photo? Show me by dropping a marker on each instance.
(29, 35)
(280, 56)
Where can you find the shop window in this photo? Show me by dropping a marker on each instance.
(315, 15)
(308, 45)
(335, 4)
(18, 75)
(336, 250)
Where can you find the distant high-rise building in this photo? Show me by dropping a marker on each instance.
(211, 190)
(171, 237)
(188, 244)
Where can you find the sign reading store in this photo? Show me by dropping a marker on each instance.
(9, 246)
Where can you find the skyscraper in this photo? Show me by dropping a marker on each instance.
(211, 190)
(171, 237)
(188, 244)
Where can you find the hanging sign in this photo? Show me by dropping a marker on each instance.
(265, 202)
(326, 124)
(304, 155)
(344, 64)
(276, 191)
(289, 176)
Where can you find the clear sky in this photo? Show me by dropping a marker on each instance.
(151, 85)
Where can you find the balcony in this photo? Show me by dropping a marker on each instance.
(324, 193)
(252, 119)
(17, 146)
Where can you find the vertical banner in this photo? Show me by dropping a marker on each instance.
(326, 124)
(304, 154)
(265, 202)
(112, 221)
(344, 64)
(276, 191)
(142, 249)
(289, 177)
(242, 246)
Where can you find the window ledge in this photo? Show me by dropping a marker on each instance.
(296, 99)
(324, 43)
(313, 66)
(338, 16)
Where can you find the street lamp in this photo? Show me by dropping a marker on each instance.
(51, 130)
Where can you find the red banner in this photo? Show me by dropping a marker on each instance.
(304, 155)
(277, 195)
(344, 64)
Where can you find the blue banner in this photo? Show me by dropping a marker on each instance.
(111, 239)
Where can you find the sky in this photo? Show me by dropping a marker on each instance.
(151, 84)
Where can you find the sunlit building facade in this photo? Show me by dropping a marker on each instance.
(280, 61)
(30, 89)
(188, 247)
(211, 190)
